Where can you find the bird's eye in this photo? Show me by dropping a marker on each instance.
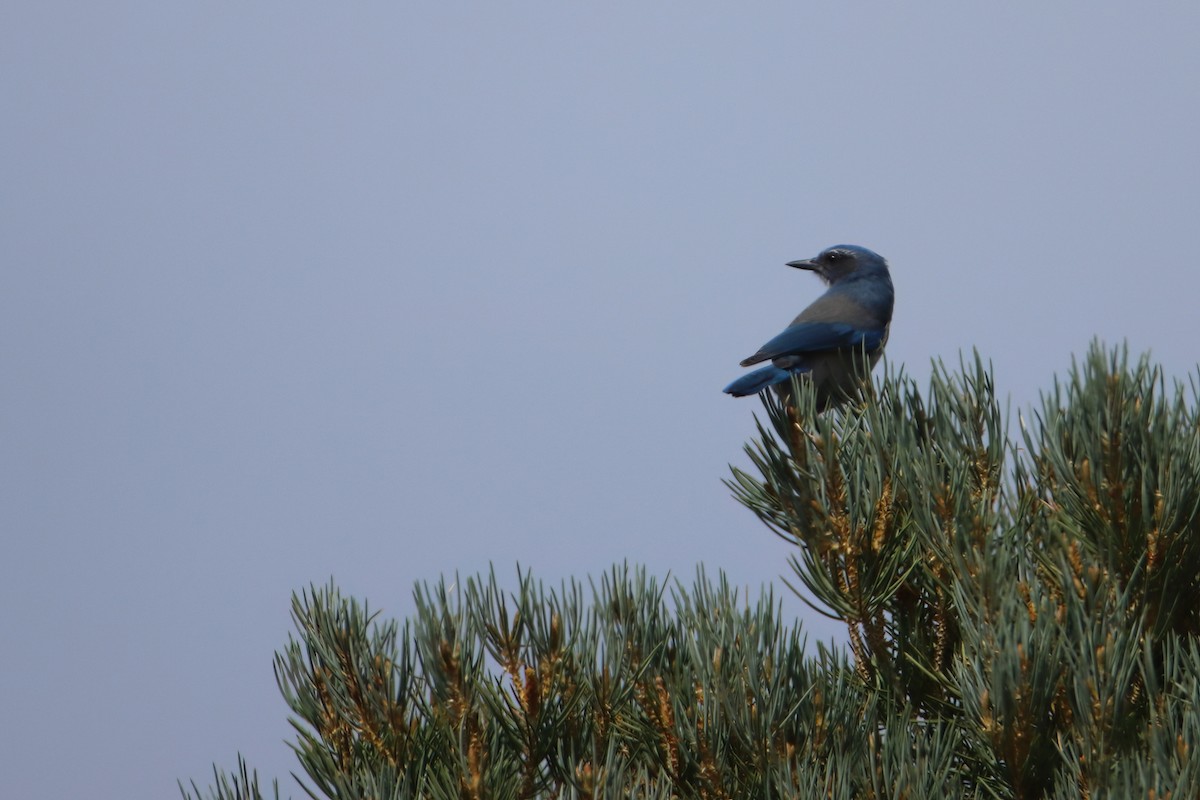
(833, 255)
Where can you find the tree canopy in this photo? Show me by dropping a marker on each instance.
(1022, 611)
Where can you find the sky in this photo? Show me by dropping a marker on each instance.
(381, 292)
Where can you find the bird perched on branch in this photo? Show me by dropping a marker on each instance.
(831, 338)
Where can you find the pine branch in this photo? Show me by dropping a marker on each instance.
(1022, 616)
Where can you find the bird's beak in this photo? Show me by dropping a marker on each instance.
(804, 263)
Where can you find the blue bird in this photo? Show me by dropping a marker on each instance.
(828, 339)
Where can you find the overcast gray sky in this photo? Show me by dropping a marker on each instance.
(381, 291)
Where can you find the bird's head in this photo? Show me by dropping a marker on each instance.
(843, 260)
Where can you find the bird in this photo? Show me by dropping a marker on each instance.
(828, 340)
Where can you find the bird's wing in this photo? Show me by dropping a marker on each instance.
(815, 337)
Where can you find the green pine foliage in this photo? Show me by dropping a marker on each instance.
(1022, 615)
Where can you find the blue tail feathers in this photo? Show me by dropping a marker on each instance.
(754, 382)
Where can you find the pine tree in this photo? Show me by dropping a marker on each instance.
(1022, 612)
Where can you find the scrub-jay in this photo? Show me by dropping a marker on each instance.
(827, 340)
